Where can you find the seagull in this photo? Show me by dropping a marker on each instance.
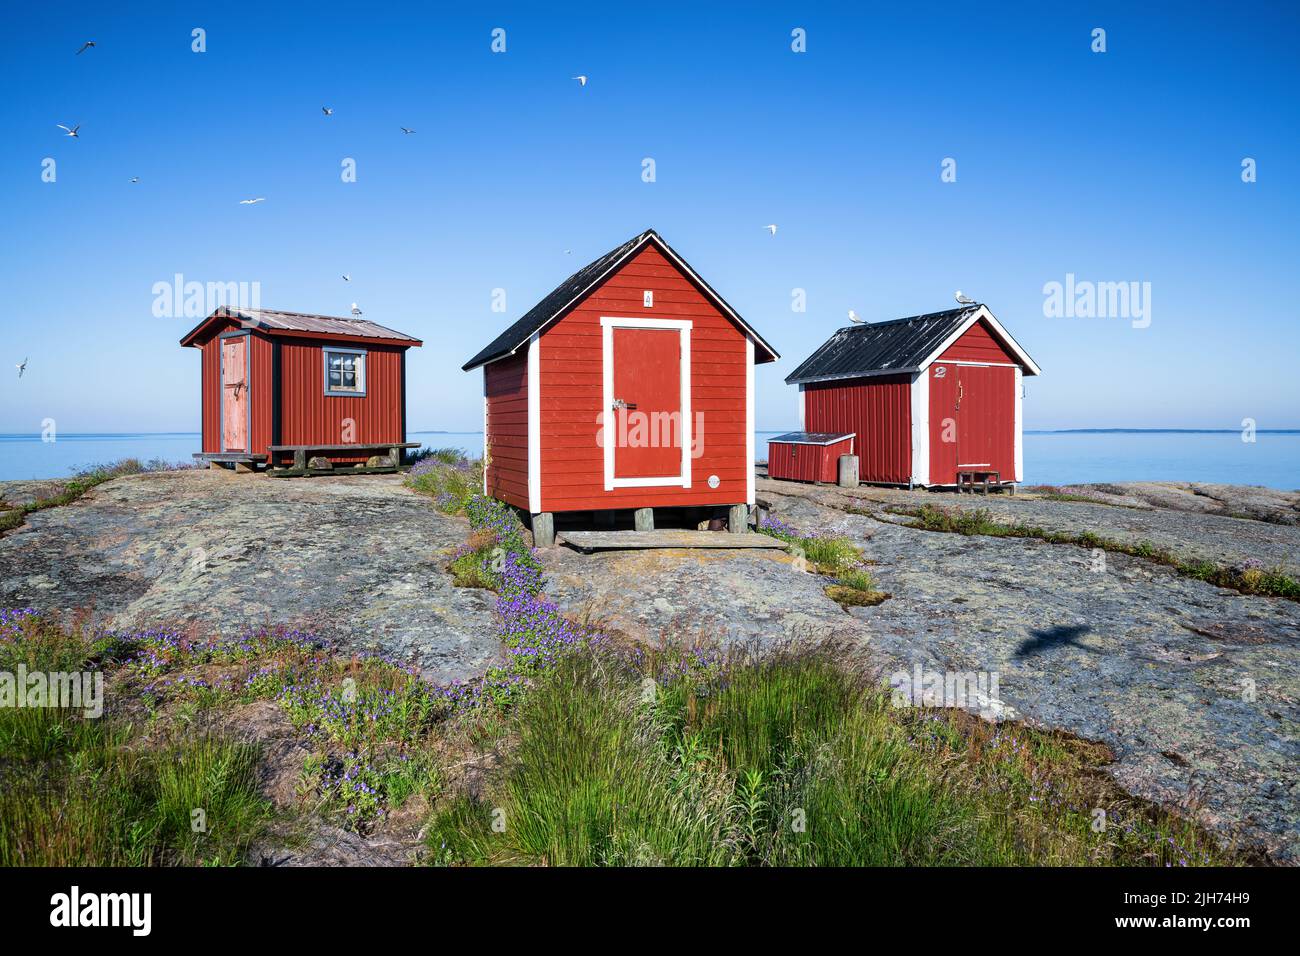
(581, 78)
(347, 277)
(21, 368)
(405, 130)
(134, 179)
(70, 132)
(963, 299)
(355, 310)
(855, 318)
(85, 46)
(327, 111)
(771, 227)
(249, 202)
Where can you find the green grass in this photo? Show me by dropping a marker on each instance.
(446, 476)
(789, 759)
(1268, 582)
(83, 791)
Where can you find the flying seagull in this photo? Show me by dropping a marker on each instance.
(771, 227)
(963, 299)
(85, 46)
(21, 368)
(347, 277)
(405, 130)
(855, 318)
(135, 179)
(249, 202)
(327, 111)
(70, 132)
(355, 310)
(581, 78)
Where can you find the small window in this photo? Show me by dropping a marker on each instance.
(345, 372)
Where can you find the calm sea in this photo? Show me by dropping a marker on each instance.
(1051, 457)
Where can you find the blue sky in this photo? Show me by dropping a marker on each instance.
(1123, 166)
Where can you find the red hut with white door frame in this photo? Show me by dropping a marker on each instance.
(932, 399)
(293, 379)
(635, 346)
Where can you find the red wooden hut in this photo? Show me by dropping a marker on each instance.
(631, 386)
(273, 381)
(932, 399)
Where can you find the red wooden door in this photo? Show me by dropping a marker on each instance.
(943, 423)
(234, 394)
(647, 403)
(986, 419)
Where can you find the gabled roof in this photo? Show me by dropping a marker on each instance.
(304, 324)
(578, 285)
(901, 345)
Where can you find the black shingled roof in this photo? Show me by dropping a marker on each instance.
(575, 286)
(898, 345)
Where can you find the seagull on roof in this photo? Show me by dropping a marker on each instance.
(355, 310)
(405, 130)
(327, 110)
(250, 202)
(85, 46)
(21, 368)
(771, 227)
(581, 78)
(963, 299)
(70, 132)
(855, 318)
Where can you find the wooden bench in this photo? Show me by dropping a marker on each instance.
(302, 454)
(967, 480)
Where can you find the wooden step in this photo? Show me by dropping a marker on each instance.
(633, 540)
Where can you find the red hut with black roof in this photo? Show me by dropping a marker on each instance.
(629, 387)
(932, 399)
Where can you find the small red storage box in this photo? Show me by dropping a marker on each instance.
(807, 456)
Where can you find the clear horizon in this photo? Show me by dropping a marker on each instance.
(1072, 166)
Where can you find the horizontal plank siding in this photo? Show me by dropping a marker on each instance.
(878, 410)
(505, 385)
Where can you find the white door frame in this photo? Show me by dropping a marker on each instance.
(608, 324)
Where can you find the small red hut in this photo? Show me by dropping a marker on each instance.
(932, 399)
(631, 386)
(289, 384)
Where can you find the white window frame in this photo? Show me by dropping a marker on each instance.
(360, 390)
(608, 324)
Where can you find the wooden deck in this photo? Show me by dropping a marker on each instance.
(634, 540)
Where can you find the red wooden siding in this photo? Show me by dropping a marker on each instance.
(976, 344)
(505, 386)
(878, 410)
(571, 363)
(307, 414)
(807, 462)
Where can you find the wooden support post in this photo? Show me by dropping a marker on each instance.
(738, 519)
(544, 530)
(395, 456)
(644, 519)
(848, 473)
(300, 459)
